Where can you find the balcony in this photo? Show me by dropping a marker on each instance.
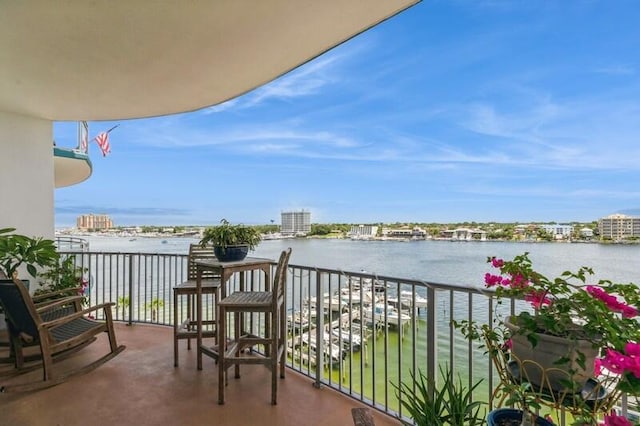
(141, 387)
(370, 339)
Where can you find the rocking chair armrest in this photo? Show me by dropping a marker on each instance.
(60, 321)
(60, 302)
(43, 297)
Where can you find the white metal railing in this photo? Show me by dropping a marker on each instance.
(371, 331)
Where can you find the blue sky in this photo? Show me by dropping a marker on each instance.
(452, 111)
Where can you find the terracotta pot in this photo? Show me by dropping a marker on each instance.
(539, 365)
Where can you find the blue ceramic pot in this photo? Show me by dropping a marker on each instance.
(511, 417)
(231, 253)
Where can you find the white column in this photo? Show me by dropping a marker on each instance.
(26, 175)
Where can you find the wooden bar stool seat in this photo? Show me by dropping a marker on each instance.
(272, 305)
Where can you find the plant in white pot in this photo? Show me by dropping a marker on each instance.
(231, 242)
(574, 340)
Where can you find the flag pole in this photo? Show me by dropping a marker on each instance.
(112, 128)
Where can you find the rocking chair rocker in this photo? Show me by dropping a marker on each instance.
(57, 330)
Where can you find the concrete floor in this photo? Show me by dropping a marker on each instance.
(141, 387)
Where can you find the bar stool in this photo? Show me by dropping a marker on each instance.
(272, 304)
(188, 328)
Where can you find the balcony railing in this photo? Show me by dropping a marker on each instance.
(373, 331)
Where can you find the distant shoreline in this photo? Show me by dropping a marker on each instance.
(151, 235)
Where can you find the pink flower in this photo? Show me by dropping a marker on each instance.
(492, 280)
(519, 282)
(612, 302)
(597, 367)
(629, 311)
(537, 298)
(632, 349)
(507, 345)
(614, 361)
(613, 419)
(497, 263)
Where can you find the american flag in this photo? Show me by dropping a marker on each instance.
(84, 140)
(103, 142)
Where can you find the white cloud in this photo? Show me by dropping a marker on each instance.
(230, 104)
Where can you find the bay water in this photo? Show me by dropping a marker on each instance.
(448, 262)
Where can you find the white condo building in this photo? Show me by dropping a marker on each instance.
(559, 232)
(619, 226)
(363, 232)
(295, 222)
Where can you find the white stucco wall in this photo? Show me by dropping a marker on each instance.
(26, 175)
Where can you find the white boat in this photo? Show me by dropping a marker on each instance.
(298, 321)
(366, 284)
(354, 297)
(408, 300)
(350, 339)
(332, 352)
(411, 299)
(333, 303)
(385, 314)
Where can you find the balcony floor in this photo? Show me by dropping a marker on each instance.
(140, 386)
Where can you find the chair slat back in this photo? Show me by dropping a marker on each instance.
(280, 279)
(19, 308)
(196, 251)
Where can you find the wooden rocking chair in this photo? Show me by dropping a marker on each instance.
(67, 303)
(56, 329)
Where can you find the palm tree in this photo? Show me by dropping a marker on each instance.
(155, 305)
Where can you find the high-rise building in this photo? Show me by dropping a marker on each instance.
(619, 227)
(295, 223)
(94, 221)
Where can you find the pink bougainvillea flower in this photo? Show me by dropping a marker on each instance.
(537, 298)
(497, 263)
(614, 361)
(612, 302)
(519, 282)
(597, 367)
(507, 345)
(492, 280)
(612, 419)
(632, 349)
(629, 311)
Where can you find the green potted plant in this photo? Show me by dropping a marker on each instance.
(231, 242)
(65, 275)
(17, 250)
(520, 394)
(451, 403)
(568, 339)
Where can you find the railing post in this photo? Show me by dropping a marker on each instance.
(319, 331)
(130, 295)
(431, 339)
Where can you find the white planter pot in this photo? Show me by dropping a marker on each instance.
(539, 365)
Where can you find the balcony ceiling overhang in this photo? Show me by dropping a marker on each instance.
(106, 60)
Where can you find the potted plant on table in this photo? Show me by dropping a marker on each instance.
(231, 242)
(572, 337)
